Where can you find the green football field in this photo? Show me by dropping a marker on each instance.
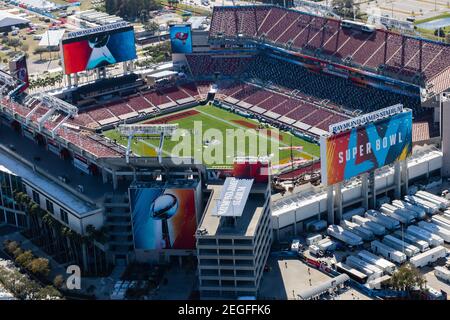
(217, 136)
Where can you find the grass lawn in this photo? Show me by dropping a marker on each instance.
(212, 117)
(430, 33)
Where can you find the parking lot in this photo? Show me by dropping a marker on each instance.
(288, 277)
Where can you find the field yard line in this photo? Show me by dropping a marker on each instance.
(238, 126)
(156, 147)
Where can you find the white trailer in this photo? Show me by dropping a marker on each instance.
(383, 264)
(387, 252)
(364, 233)
(327, 244)
(401, 215)
(313, 239)
(377, 217)
(441, 221)
(314, 250)
(442, 273)
(376, 228)
(418, 212)
(432, 239)
(407, 237)
(425, 258)
(442, 202)
(343, 235)
(401, 245)
(354, 212)
(429, 207)
(372, 271)
(433, 228)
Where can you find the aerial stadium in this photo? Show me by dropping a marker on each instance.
(352, 113)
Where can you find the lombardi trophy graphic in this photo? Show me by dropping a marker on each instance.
(100, 55)
(163, 208)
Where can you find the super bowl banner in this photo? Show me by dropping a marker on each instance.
(163, 218)
(365, 148)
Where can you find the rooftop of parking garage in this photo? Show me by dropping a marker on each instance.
(244, 226)
(41, 167)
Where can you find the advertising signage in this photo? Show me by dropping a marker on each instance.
(97, 47)
(163, 218)
(18, 68)
(365, 148)
(181, 39)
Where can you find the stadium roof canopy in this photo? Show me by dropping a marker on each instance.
(51, 38)
(8, 19)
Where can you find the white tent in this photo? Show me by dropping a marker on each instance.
(41, 4)
(8, 19)
(51, 38)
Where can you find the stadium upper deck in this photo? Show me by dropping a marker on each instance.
(410, 59)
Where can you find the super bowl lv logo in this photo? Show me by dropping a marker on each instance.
(366, 148)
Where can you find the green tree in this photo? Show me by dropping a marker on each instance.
(130, 9)
(15, 43)
(407, 278)
(11, 246)
(17, 252)
(25, 258)
(39, 266)
(345, 8)
(58, 281)
(40, 51)
(151, 27)
(439, 32)
(48, 293)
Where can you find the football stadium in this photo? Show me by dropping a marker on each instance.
(270, 124)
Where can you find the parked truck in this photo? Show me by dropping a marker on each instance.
(418, 212)
(442, 273)
(401, 245)
(432, 239)
(425, 258)
(433, 228)
(409, 238)
(401, 215)
(376, 228)
(353, 212)
(372, 271)
(387, 252)
(383, 264)
(429, 207)
(343, 235)
(441, 202)
(364, 233)
(441, 221)
(377, 217)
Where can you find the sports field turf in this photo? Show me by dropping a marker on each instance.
(214, 142)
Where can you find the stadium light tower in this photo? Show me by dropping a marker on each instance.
(130, 130)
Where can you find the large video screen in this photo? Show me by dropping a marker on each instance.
(18, 69)
(98, 49)
(366, 148)
(180, 38)
(163, 218)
